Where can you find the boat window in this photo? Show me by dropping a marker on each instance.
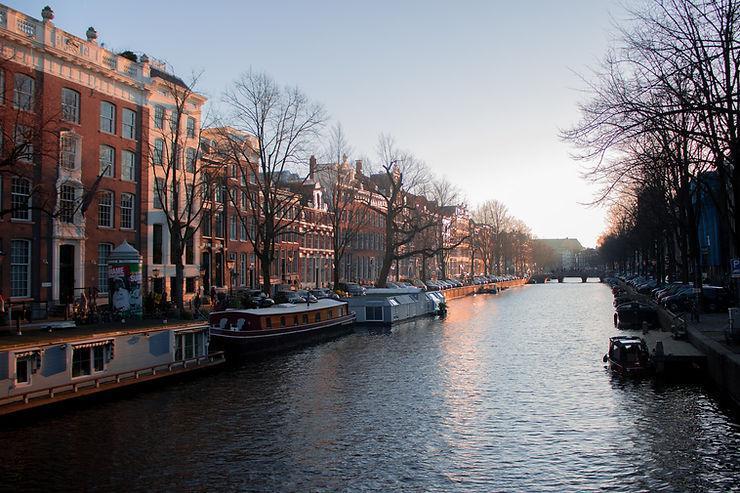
(305, 318)
(331, 313)
(282, 321)
(295, 320)
(373, 313)
(318, 316)
(268, 322)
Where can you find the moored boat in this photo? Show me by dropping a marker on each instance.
(628, 355)
(285, 324)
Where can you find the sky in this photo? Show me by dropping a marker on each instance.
(477, 89)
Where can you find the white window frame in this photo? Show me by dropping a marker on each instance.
(108, 117)
(70, 150)
(70, 105)
(128, 165)
(23, 265)
(104, 251)
(65, 200)
(19, 214)
(128, 124)
(127, 210)
(24, 92)
(107, 167)
(106, 201)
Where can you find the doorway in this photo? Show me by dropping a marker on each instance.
(66, 273)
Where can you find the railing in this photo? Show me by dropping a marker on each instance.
(97, 381)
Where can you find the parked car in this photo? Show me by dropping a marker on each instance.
(323, 293)
(351, 288)
(307, 296)
(289, 297)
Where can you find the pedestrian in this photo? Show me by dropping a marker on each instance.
(2, 308)
(213, 295)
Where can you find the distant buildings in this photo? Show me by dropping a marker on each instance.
(557, 253)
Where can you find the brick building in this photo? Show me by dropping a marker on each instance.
(71, 182)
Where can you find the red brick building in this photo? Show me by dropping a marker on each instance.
(71, 181)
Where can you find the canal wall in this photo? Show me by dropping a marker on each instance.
(455, 293)
(723, 365)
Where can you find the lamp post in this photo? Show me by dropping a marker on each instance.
(251, 275)
(230, 263)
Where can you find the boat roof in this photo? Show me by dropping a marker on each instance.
(626, 340)
(287, 308)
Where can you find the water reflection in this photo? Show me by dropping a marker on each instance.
(507, 393)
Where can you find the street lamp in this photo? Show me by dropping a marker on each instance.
(251, 275)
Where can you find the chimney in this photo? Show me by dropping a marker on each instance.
(312, 167)
(358, 167)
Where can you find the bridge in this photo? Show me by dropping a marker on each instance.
(561, 275)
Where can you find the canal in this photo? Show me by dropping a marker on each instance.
(507, 393)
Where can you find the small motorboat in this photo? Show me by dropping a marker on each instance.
(628, 355)
(635, 314)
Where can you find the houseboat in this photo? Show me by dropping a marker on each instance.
(40, 367)
(628, 355)
(388, 306)
(279, 326)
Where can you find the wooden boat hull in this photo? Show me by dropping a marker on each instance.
(272, 340)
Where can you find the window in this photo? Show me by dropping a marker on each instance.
(104, 250)
(190, 160)
(127, 211)
(20, 199)
(107, 160)
(157, 244)
(218, 194)
(128, 120)
(190, 247)
(87, 360)
(68, 144)
(243, 230)
(233, 227)
(206, 222)
(20, 268)
(174, 120)
(128, 166)
(373, 313)
(24, 143)
(191, 127)
(105, 210)
(23, 92)
(190, 285)
(70, 105)
(190, 345)
(160, 194)
(318, 316)
(22, 370)
(107, 117)
(158, 117)
(158, 154)
(243, 268)
(67, 203)
(220, 224)
(2, 87)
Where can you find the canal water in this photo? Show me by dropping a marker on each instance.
(508, 393)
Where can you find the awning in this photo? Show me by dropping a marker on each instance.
(27, 354)
(93, 344)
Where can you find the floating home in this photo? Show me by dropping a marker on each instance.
(393, 305)
(40, 367)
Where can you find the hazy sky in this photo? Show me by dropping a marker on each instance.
(476, 89)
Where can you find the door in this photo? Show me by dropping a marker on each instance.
(66, 273)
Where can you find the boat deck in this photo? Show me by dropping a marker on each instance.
(39, 334)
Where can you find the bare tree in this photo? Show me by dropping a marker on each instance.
(274, 130)
(345, 196)
(176, 170)
(495, 215)
(403, 185)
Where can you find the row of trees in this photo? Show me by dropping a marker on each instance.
(661, 134)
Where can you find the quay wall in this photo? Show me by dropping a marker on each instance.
(455, 293)
(723, 365)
